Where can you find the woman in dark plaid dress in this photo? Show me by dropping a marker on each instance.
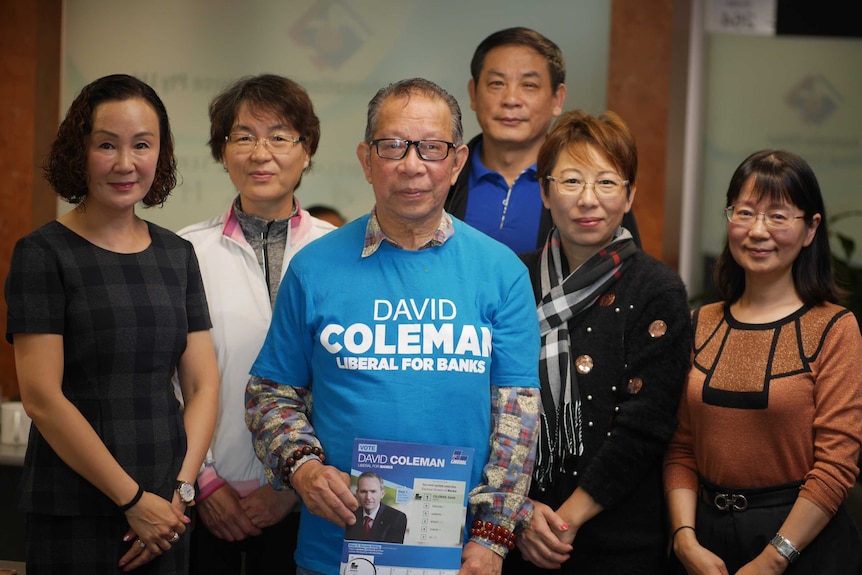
(103, 307)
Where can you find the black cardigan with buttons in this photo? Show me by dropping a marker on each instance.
(638, 337)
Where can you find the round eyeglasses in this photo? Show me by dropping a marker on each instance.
(773, 219)
(605, 188)
(243, 142)
(396, 149)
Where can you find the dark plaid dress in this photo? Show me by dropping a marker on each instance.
(124, 319)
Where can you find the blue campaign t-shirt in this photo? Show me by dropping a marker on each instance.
(401, 345)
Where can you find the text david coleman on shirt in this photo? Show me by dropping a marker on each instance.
(409, 335)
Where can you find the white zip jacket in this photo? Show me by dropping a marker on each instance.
(240, 309)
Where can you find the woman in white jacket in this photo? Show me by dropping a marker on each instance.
(264, 131)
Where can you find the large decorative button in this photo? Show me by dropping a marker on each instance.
(607, 299)
(584, 364)
(657, 328)
(635, 385)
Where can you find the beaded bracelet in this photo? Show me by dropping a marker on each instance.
(134, 500)
(493, 533)
(297, 458)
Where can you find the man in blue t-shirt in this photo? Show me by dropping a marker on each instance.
(405, 325)
(517, 89)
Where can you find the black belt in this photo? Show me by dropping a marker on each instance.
(742, 499)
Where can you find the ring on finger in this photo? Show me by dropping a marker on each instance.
(142, 544)
(174, 538)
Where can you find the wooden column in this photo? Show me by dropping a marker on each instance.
(30, 34)
(647, 56)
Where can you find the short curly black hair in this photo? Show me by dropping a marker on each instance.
(66, 165)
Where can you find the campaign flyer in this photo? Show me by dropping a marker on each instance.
(412, 508)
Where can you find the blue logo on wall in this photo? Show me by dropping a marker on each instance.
(814, 98)
(332, 30)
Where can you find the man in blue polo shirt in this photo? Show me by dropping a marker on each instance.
(517, 89)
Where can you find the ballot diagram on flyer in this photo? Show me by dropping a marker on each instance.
(417, 495)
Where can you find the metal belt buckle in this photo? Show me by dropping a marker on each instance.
(730, 501)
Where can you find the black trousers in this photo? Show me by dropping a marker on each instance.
(739, 537)
(268, 553)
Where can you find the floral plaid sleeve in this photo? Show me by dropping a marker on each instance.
(277, 416)
(501, 497)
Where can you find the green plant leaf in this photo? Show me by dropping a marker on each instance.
(848, 245)
(844, 215)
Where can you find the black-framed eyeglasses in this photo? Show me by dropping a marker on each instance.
(604, 188)
(775, 219)
(244, 142)
(396, 148)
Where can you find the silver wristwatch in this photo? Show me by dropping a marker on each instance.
(785, 548)
(187, 492)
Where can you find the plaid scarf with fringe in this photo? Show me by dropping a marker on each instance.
(563, 299)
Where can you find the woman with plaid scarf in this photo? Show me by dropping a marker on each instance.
(616, 341)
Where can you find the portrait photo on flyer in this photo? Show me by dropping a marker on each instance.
(412, 507)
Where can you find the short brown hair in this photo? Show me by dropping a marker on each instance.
(266, 93)
(577, 129)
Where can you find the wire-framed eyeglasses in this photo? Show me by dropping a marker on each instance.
(244, 142)
(396, 148)
(777, 219)
(604, 188)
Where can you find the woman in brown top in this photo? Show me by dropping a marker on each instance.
(771, 418)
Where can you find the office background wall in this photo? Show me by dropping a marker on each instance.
(803, 94)
(341, 51)
(641, 64)
(795, 87)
